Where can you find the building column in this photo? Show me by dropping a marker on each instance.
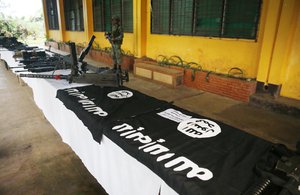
(61, 19)
(276, 41)
(45, 18)
(140, 27)
(282, 43)
(268, 42)
(88, 19)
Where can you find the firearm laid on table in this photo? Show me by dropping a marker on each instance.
(105, 77)
(279, 173)
(37, 60)
(12, 44)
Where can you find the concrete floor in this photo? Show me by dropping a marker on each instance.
(271, 126)
(33, 159)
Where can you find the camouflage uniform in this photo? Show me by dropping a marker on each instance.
(116, 42)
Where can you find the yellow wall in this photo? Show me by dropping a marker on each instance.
(88, 18)
(100, 39)
(269, 37)
(55, 35)
(45, 19)
(84, 37)
(75, 36)
(279, 62)
(282, 41)
(127, 41)
(61, 18)
(139, 27)
(291, 77)
(216, 54)
(273, 58)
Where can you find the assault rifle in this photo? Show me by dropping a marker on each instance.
(104, 77)
(11, 43)
(279, 173)
(39, 61)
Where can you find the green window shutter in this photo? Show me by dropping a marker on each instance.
(116, 8)
(98, 15)
(67, 14)
(52, 14)
(241, 18)
(107, 15)
(127, 18)
(73, 11)
(160, 16)
(208, 17)
(212, 18)
(182, 17)
(79, 22)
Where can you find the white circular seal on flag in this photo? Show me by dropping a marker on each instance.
(121, 94)
(199, 128)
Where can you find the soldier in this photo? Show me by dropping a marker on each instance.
(116, 40)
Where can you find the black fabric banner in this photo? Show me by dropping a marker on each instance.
(191, 153)
(96, 106)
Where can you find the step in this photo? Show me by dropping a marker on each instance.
(280, 104)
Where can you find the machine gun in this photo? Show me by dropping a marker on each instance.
(37, 60)
(104, 77)
(279, 173)
(11, 43)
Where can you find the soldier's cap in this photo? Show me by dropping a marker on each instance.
(116, 18)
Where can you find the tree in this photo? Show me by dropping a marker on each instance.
(11, 27)
(26, 28)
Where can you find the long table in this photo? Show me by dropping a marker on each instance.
(116, 171)
(141, 145)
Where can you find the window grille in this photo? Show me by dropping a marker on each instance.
(211, 18)
(73, 11)
(160, 16)
(182, 17)
(127, 19)
(98, 15)
(241, 18)
(208, 17)
(116, 7)
(103, 10)
(52, 15)
(107, 15)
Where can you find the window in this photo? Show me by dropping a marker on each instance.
(208, 17)
(211, 18)
(103, 10)
(73, 15)
(52, 14)
(182, 16)
(127, 15)
(161, 17)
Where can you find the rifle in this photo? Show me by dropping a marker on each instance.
(104, 77)
(39, 69)
(279, 173)
(11, 43)
(43, 64)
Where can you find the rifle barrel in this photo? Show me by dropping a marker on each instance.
(46, 76)
(86, 50)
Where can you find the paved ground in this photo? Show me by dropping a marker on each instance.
(275, 127)
(34, 160)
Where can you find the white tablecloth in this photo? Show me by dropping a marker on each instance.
(115, 170)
